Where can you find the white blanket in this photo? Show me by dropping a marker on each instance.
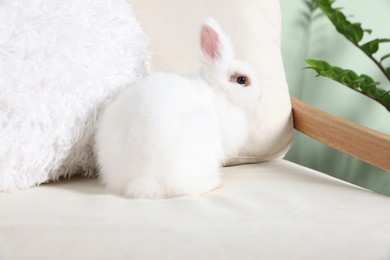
(59, 61)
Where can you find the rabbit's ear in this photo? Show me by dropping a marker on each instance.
(215, 45)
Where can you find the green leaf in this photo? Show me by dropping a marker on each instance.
(382, 93)
(352, 31)
(317, 16)
(388, 71)
(384, 97)
(385, 57)
(311, 5)
(321, 67)
(384, 40)
(348, 77)
(363, 84)
(308, 4)
(370, 47)
(369, 85)
(306, 16)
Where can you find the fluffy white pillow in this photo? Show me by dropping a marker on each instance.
(254, 27)
(59, 60)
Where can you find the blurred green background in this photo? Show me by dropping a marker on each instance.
(320, 40)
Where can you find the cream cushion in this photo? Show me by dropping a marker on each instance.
(254, 26)
(272, 210)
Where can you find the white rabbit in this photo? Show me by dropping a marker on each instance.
(168, 135)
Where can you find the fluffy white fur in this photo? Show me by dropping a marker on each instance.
(59, 61)
(168, 135)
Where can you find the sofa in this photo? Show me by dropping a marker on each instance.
(266, 208)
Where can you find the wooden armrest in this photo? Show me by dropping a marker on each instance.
(361, 142)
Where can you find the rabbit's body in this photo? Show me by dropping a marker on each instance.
(168, 135)
(173, 140)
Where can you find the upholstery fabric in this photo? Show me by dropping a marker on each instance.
(254, 26)
(272, 210)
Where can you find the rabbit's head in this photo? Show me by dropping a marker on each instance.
(236, 79)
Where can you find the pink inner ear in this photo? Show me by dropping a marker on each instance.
(209, 42)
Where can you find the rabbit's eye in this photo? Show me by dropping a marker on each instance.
(241, 80)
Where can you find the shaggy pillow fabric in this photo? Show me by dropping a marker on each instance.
(59, 61)
(254, 27)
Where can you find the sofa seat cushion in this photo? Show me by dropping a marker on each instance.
(274, 210)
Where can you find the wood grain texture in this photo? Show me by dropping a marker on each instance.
(361, 142)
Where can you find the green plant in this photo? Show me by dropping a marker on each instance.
(354, 33)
